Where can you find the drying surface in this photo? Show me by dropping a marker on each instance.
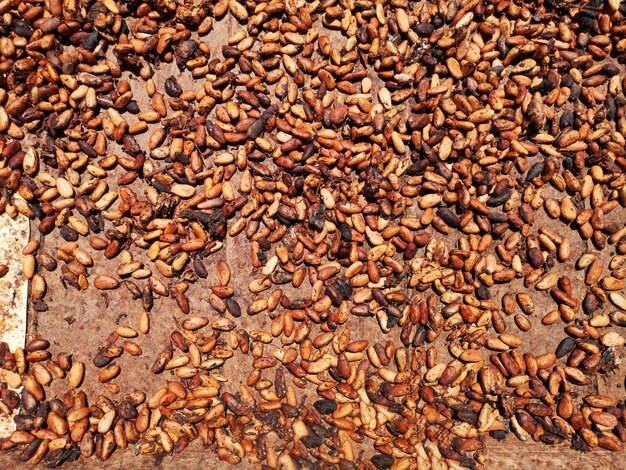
(79, 322)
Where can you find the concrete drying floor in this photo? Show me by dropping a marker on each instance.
(79, 322)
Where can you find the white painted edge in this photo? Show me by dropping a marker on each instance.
(14, 234)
